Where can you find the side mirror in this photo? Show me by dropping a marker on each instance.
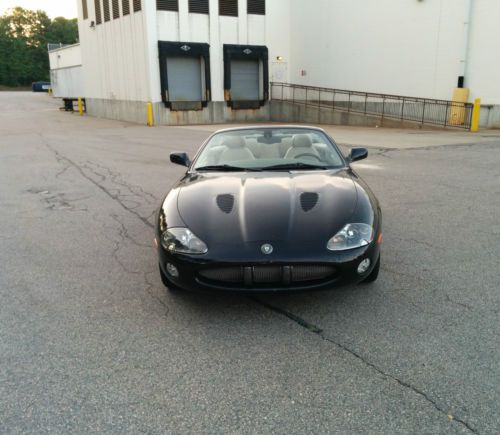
(180, 159)
(357, 154)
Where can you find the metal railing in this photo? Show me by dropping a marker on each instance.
(419, 110)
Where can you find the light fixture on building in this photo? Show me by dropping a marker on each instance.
(279, 58)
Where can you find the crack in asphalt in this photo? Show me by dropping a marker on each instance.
(320, 332)
(115, 197)
(123, 232)
(116, 178)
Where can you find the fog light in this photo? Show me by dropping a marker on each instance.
(363, 266)
(172, 270)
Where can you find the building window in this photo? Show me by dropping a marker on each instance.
(256, 7)
(116, 9)
(228, 8)
(167, 5)
(137, 5)
(107, 16)
(125, 7)
(98, 17)
(246, 76)
(185, 75)
(198, 6)
(85, 10)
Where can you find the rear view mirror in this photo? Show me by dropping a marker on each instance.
(358, 154)
(180, 159)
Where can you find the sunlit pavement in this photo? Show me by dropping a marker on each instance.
(90, 341)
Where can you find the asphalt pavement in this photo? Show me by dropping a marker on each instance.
(90, 340)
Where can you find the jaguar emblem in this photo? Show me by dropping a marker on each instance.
(267, 249)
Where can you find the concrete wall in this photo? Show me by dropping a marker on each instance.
(66, 74)
(115, 61)
(483, 67)
(404, 47)
(67, 82)
(64, 57)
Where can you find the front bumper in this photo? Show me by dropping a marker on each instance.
(252, 273)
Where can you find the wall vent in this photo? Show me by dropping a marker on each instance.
(106, 10)
(125, 7)
(167, 5)
(116, 9)
(198, 6)
(256, 7)
(228, 8)
(85, 9)
(98, 16)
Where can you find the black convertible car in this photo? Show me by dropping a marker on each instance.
(269, 209)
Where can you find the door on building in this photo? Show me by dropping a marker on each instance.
(246, 76)
(245, 80)
(184, 75)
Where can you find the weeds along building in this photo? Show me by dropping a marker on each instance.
(206, 61)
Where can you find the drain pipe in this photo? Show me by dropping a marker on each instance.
(466, 43)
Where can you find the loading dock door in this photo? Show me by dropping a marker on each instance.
(245, 79)
(184, 79)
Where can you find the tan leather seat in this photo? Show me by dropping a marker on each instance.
(301, 144)
(235, 150)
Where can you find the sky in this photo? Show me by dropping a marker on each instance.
(54, 8)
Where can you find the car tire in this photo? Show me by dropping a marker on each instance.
(166, 282)
(373, 274)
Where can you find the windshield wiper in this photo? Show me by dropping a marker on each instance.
(298, 165)
(226, 168)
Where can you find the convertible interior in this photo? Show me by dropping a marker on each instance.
(253, 149)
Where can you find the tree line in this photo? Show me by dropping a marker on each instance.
(24, 35)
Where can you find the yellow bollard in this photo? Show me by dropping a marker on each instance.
(80, 106)
(49, 92)
(150, 114)
(476, 111)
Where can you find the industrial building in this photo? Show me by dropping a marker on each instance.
(205, 61)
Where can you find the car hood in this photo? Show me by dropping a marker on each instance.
(297, 207)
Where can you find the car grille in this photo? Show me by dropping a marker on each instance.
(268, 274)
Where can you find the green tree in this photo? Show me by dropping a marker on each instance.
(62, 30)
(24, 35)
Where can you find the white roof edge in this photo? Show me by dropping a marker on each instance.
(64, 47)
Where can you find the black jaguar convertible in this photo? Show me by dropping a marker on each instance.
(269, 209)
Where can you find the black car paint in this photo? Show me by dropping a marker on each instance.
(267, 209)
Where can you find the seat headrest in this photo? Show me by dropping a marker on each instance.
(233, 142)
(302, 141)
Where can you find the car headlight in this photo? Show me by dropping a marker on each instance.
(182, 241)
(351, 236)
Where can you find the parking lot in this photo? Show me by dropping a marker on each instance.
(90, 340)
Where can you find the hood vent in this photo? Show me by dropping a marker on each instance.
(225, 202)
(308, 200)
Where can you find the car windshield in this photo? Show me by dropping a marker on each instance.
(269, 149)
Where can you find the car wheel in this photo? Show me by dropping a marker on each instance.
(374, 273)
(166, 282)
